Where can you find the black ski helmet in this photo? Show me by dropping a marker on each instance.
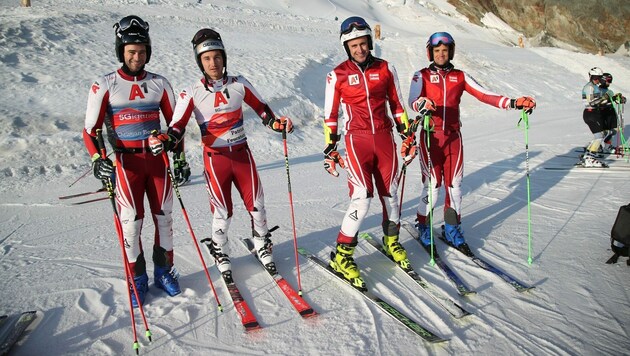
(131, 30)
(437, 39)
(606, 80)
(206, 40)
(354, 27)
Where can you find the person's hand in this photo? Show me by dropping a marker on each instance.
(526, 103)
(409, 149)
(102, 168)
(164, 141)
(423, 106)
(331, 158)
(181, 168)
(278, 125)
(619, 99)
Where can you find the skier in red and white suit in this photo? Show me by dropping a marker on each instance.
(216, 101)
(437, 90)
(128, 101)
(362, 88)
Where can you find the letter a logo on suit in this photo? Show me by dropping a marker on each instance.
(135, 92)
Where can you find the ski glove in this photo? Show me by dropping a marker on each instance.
(331, 158)
(409, 149)
(165, 141)
(102, 168)
(278, 125)
(423, 106)
(181, 168)
(526, 103)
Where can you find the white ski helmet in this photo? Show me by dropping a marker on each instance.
(595, 72)
(206, 40)
(354, 27)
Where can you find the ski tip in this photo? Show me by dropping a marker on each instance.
(308, 313)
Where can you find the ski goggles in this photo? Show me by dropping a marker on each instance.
(354, 23)
(131, 21)
(440, 38)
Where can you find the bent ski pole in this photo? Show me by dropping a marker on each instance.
(295, 247)
(167, 163)
(128, 274)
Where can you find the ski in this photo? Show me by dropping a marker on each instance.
(89, 201)
(82, 194)
(248, 319)
(613, 168)
(383, 305)
(445, 302)
(461, 287)
(300, 305)
(518, 286)
(24, 320)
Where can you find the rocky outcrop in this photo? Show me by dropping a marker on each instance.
(587, 24)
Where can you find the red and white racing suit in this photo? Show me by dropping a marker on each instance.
(363, 97)
(445, 87)
(218, 109)
(130, 108)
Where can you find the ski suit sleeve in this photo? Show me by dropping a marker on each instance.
(167, 106)
(331, 109)
(255, 101)
(98, 100)
(416, 88)
(484, 95)
(395, 98)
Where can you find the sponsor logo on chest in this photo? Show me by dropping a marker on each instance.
(374, 76)
(452, 79)
(434, 78)
(353, 79)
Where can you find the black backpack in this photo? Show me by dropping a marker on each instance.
(620, 235)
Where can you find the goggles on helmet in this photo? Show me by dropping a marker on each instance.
(131, 21)
(440, 38)
(352, 24)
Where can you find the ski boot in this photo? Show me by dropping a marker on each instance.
(263, 247)
(424, 236)
(394, 249)
(588, 160)
(166, 277)
(142, 287)
(220, 255)
(454, 237)
(343, 264)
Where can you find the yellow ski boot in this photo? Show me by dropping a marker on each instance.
(343, 264)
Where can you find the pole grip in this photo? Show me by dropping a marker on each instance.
(101, 143)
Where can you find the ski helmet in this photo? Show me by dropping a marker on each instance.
(131, 30)
(437, 39)
(606, 79)
(207, 40)
(354, 27)
(595, 73)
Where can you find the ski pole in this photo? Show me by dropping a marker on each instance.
(286, 164)
(525, 120)
(403, 173)
(128, 274)
(426, 127)
(84, 174)
(167, 163)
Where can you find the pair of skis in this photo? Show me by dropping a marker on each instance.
(482, 263)
(79, 195)
(248, 319)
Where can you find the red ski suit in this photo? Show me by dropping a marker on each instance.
(363, 96)
(218, 109)
(445, 87)
(130, 108)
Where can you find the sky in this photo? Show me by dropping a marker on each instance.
(63, 260)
